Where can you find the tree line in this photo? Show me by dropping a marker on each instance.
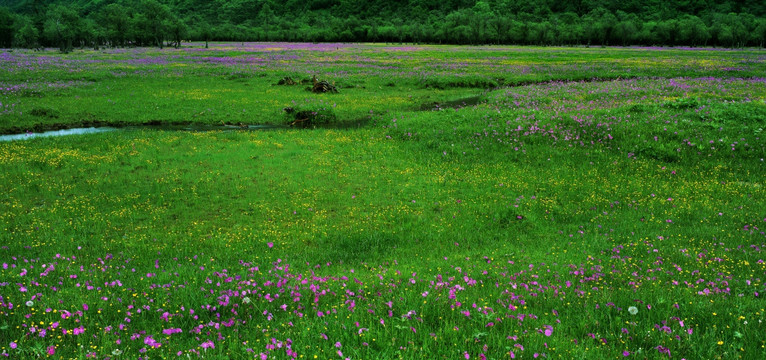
(120, 23)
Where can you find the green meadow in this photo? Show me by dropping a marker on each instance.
(446, 203)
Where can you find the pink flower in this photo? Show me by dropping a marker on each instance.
(270, 244)
(51, 350)
(151, 342)
(465, 354)
(13, 345)
(171, 331)
(626, 353)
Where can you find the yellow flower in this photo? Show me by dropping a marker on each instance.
(720, 342)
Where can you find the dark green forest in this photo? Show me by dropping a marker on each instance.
(119, 23)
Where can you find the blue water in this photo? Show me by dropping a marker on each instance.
(93, 130)
(78, 131)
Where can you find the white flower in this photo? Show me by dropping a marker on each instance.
(246, 300)
(30, 303)
(116, 352)
(633, 310)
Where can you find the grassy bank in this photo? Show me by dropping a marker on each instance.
(238, 83)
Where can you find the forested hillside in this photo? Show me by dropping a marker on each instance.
(68, 24)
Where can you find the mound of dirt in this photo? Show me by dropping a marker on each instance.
(287, 81)
(323, 86)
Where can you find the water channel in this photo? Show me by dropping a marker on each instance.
(94, 130)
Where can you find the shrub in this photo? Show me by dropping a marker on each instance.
(310, 115)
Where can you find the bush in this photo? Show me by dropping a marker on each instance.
(310, 115)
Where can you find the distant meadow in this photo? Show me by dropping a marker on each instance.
(455, 202)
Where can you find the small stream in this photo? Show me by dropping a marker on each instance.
(65, 132)
(95, 130)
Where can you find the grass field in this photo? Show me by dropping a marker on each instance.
(448, 202)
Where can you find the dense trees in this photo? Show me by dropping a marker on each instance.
(62, 27)
(81, 23)
(116, 23)
(6, 28)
